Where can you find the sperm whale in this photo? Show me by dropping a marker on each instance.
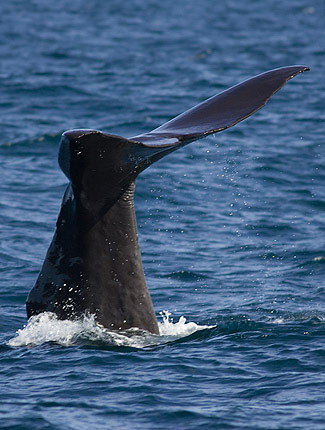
(93, 264)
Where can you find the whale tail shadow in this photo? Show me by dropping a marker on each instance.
(94, 264)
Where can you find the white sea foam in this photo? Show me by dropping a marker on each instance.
(47, 328)
(277, 321)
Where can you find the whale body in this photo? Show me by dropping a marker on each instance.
(93, 265)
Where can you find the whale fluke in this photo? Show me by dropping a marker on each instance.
(93, 265)
(222, 110)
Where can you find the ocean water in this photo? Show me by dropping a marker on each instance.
(231, 227)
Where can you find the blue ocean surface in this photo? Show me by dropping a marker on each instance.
(231, 227)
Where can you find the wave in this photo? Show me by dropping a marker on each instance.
(46, 327)
(32, 144)
(185, 275)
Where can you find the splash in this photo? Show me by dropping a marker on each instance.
(178, 329)
(46, 327)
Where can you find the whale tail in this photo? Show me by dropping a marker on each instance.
(222, 110)
(93, 264)
(104, 165)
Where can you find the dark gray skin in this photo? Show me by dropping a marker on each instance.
(93, 265)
